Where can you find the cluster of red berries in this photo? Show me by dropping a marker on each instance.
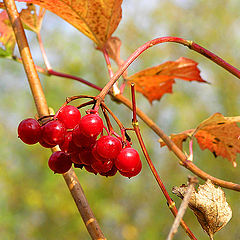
(82, 142)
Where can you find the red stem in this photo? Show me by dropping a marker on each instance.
(170, 202)
(65, 75)
(156, 41)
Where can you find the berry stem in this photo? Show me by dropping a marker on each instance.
(42, 109)
(170, 202)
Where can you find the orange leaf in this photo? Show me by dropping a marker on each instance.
(219, 134)
(31, 20)
(96, 19)
(154, 82)
(7, 38)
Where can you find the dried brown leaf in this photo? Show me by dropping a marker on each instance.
(209, 205)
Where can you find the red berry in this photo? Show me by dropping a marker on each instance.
(132, 173)
(69, 116)
(97, 156)
(110, 173)
(46, 145)
(81, 140)
(102, 167)
(86, 157)
(59, 162)
(68, 145)
(108, 147)
(75, 158)
(128, 160)
(90, 169)
(29, 131)
(91, 125)
(53, 132)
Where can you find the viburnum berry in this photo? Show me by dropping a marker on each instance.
(132, 173)
(108, 147)
(46, 145)
(68, 145)
(91, 125)
(102, 167)
(53, 132)
(75, 158)
(81, 140)
(59, 162)
(69, 116)
(128, 160)
(90, 169)
(86, 156)
(29, 131)
(110, 173)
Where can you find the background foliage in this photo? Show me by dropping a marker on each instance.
(35, 204)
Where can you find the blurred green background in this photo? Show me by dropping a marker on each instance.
(36, 204)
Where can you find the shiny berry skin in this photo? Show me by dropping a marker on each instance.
(53, 132)
(68, 145)
(97, 156)
(110, 173)
(75, 158)
(86, 157)
(132, 173)
(69, 116)
(44, 144)
(102, 167)
(90, 169)
(91, 125)
(81, 140)
(59, 162)
(29, 131)
(108, 147)
(128, 160)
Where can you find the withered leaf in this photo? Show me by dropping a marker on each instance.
(209, 205)
(96, 19)
(219, 134)
(154, 82)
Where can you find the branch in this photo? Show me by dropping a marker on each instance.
(156, 41)
(170, 202)
(42, 109)
(184, 162)
(192, 181)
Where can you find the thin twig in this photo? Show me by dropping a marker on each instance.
(170, 202)
(181, 211)
(42, 109)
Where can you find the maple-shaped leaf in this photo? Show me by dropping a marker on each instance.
(7, 38)
(219, 134)
(31, 19)
(154, 82)
(209, 205)
(96, 19)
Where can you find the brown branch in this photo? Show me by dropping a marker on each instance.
(173, 147)
(181, 211)
(171, 203)
(42, 109)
